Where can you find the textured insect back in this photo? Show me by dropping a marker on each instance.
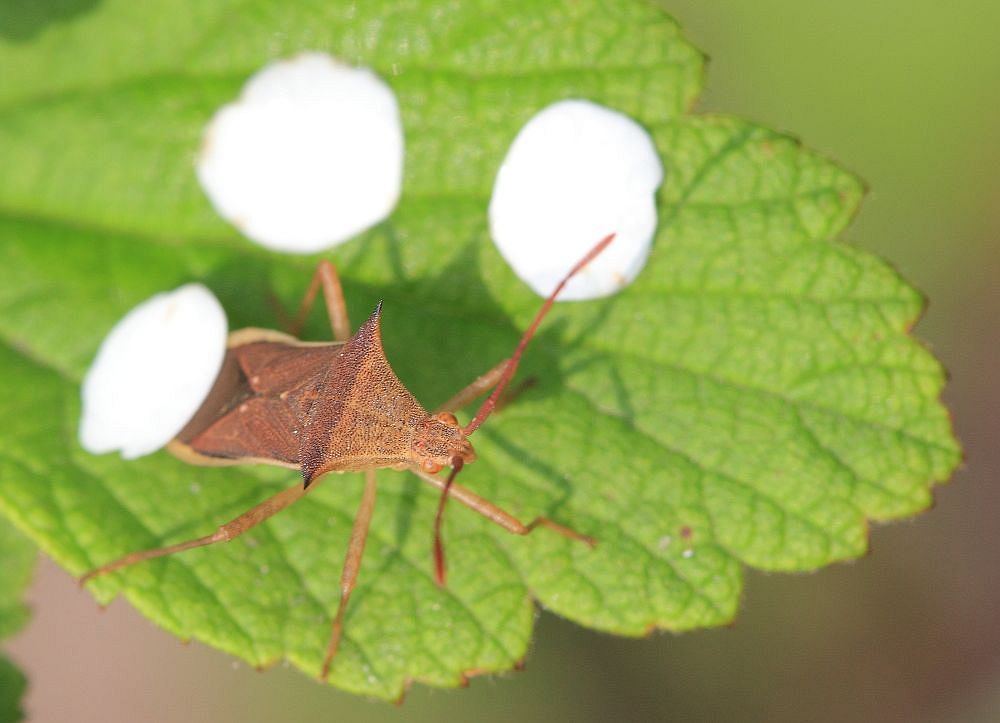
(362, 416)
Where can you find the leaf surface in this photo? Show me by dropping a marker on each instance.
(753, 399)
(18, 556)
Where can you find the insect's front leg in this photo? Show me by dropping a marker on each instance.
(478, 387)
(498, 515)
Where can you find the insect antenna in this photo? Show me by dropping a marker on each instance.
(491, 401)
(490, 404)
(439, 567)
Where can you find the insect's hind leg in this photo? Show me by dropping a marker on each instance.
(325, 278)
(232, 529)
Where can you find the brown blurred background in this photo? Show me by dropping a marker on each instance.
(907, 94)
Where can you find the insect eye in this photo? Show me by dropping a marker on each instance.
(430, 467)
(448, 418)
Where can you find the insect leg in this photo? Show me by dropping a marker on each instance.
(249, 519)
(478, 387)
(352, 565)
(483, 384)
(333, 294)
(496, 514)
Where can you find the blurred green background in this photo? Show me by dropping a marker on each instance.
(907, 95)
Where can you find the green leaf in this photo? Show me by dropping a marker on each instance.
(18, 556)
(12, 687)
(753, 399)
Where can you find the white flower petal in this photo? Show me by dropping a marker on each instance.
(576, 172)
(310, 155)
(152, 372)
